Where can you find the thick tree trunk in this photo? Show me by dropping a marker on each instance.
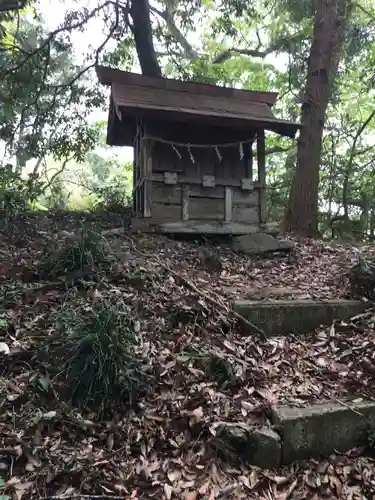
(142, 30)
(329, 28)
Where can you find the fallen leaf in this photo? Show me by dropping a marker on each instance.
(168, 490)
(4, 348)
(198, 414)
(174, 475)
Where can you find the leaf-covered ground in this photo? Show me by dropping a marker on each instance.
(166, 446)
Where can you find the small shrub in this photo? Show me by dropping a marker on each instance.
(113, 198)
(92, 352)
(215, 368)
(362, 278)
(219, 370)
(80, 252)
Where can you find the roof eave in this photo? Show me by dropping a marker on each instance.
(282, 127)
(107, 76)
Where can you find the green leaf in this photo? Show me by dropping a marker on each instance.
(44, 385)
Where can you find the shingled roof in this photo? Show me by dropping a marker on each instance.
(137, 95)
(9, 5)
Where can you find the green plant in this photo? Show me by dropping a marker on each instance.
(92, 352)
(219, 370)
(17, 194)
(77, 253)
(215, 368)
(113, 198)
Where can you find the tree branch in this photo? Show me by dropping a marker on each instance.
(226, 55)
(57, 173)
(52, 35)
(167, 16)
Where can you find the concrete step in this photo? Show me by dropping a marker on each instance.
(282, 317)
(302, 433)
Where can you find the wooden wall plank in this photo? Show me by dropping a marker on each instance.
(241, 197)
(166, 193)
(246, 215)
(206, 208)
(207, 192)
(166, 212)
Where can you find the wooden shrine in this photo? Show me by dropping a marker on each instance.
(199, 152)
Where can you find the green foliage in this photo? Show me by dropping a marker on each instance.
(82, 252)
(48, 96)
(42, 114)
(17, 194)
(114, 198)
(92, 353)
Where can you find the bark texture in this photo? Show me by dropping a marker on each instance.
(142, 31)
(328, 36)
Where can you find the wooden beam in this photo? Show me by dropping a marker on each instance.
(228, 204)
(201, 227)
(261, 160)
(184, 179)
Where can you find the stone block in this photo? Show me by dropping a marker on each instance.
(323, 428)
(260, 447)
(265, 448)
(260, 243)
(281, 317)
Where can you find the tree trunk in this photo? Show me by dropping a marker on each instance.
(142, 30)
(329, 28)
(372, 225)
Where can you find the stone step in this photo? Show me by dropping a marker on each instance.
(301, 433)
(282, 317)
(323, 428)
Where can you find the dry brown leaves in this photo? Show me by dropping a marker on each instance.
(166, 447)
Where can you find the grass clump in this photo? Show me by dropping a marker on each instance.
(92, 353)
(77, 253)
(371, 439)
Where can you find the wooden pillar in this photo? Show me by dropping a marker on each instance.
(248, 160)
(147, 183)
(228, 204)
(185, 193)
(137, 171)
(136, 150)
(145, 180)
(134, 198)
(261, 160)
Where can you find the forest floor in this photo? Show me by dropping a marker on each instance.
(166, 446)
